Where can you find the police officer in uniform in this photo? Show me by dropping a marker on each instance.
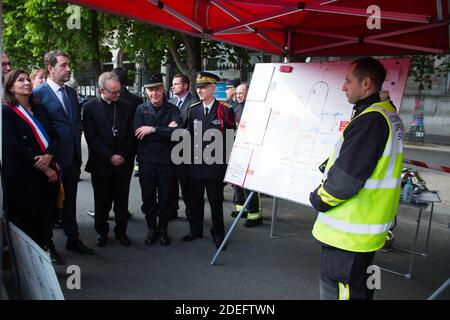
(358, 198)
(211, 120)
(154, 122)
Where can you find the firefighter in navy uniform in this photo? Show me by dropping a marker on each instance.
(358, 198)
(208, 158)
(154, 122)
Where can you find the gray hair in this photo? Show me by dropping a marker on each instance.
(106, 76)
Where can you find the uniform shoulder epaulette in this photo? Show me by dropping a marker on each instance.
(226, 104)
(195, 104)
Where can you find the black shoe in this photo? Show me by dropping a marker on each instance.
(55, 257)
(57, 224)
(190, 236)
(78, 246)
(164, 238)
(218, 242)
(235, 213)
(151, 237)
(253, 223)
(123, 239)
(128, 214)
(101, 240)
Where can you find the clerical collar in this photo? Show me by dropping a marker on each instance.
(106, 102)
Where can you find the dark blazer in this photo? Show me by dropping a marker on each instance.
(68, 130)
(134, 100)
(130, 98)
(190, 100)
(26, 188)
(203, 170)
(156, 147)
(102, 144)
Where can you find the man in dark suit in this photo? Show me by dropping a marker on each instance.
(64, 111)
(208, 123)
(134, 101)
(108, 128)
(154, 123)
(183, 100)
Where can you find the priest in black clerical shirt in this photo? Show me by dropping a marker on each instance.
(108, 129)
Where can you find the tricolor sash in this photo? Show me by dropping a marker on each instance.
(38, 130)
(43, 141)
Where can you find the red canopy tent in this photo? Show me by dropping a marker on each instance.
(308, 28)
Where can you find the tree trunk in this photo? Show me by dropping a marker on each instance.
(95, 42)
(193, 61)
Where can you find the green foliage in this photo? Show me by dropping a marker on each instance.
(33, 27)
(425, 67)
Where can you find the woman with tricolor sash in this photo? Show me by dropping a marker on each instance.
(31, 176)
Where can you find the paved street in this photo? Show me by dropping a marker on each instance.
(253, 267)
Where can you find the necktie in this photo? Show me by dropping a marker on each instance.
(66, 102)
(179, 103)
(206, 112)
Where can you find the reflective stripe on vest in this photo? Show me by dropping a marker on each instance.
(360, 224)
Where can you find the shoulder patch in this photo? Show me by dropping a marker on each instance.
(195, 104)
(226, 104)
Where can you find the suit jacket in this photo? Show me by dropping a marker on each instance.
(25, 186)
(188, 101)
(134, 100)
(68, 130)
(102, 144)
(156, 147)
(130, 98)
(205, 170)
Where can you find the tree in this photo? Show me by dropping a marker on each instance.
(33, 27)
(424, 68)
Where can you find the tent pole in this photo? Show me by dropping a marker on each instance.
(2, 297)
(439, 12)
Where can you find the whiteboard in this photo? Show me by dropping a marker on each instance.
(38, 277)
(290, 123)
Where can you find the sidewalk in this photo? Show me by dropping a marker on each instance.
(427, 146)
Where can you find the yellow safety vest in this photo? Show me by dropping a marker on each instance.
(360, 224)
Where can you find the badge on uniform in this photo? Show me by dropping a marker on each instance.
(216, 122)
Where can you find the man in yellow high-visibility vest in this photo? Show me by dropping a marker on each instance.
(358, 198)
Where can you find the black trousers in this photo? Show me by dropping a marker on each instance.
(181, 180)
(340, 267)
(70, 178)
(214, 192)
(109, 189)
(155, 181)
(130, 169)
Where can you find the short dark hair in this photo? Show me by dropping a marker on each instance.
(184, 78)
(371, 68)
(10, 79)
(122, 74)
(51, 57)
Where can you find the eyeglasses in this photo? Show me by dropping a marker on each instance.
(4, 64)
(112, 92)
